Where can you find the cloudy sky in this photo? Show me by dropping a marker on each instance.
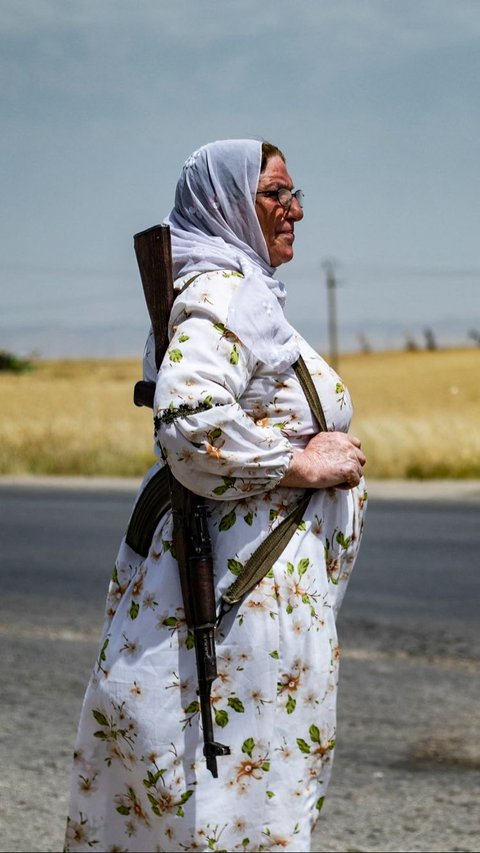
(375, 103)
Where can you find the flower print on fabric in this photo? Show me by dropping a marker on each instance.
(227, 426)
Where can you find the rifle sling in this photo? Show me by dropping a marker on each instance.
(268, 552)
(154, 502)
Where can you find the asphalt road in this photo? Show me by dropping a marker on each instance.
(407, 768)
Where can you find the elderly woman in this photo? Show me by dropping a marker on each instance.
(235, 425)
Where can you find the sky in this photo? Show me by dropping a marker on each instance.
(375, 104)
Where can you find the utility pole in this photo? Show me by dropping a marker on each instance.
(331, 283)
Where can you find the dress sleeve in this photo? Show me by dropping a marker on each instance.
(212, 445)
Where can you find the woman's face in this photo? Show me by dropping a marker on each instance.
(277, 224)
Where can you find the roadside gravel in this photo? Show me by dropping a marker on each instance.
(407, 768)
(406, 774)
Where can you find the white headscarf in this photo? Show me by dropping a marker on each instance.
(214, 225)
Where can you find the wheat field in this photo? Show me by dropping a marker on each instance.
(417, 413)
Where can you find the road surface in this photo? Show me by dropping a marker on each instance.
(407, 767)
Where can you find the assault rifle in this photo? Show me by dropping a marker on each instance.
(191, 539)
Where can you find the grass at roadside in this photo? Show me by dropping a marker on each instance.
(75, 417)
(417, 413)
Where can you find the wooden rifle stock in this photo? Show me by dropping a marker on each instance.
(191, 540)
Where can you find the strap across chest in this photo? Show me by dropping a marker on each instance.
(154, 502)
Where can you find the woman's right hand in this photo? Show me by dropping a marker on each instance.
(329, 459)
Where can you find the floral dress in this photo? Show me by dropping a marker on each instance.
(139, 782)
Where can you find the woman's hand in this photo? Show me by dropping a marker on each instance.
(329, 459)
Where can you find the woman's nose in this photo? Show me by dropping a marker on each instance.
(295, 211)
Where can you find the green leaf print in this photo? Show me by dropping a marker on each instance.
(234, 355)
(175, 355)
(170, 622)
(228, 482)
(221, 718)
(115, 575)
(182, 338)
(320, 803)
(303, 566)
(236, 704)
(302, 526)
(102, 656)
(303, 745)
(185, 796)
(248, 746)
(190, 641)
(125, 810)
(342, 540)
(290, 568)
(314, 733)
(274, 655)
(193, 708)
(228, 521)
(213, 434)
(270, 794)
(154, 804)
(134, 608)
(248, 518)
(152, 778)
(235, 566)
(220, 328)
(273, 514)
(341, 390)
(291, 704)
(100, 718)
(220, 490)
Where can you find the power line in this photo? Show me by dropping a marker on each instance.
(86, 272)
(383, 270)
(413, 271)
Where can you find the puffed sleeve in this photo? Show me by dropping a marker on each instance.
(212, 445)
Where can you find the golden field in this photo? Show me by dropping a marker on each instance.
(417, 413)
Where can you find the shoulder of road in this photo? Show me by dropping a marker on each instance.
(407, 490)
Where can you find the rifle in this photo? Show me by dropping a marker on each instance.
(191, 538)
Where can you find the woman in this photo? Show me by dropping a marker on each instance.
(236, 428)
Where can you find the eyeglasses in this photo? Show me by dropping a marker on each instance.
(284, 196)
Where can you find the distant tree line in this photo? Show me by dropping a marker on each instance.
(10, 363)
(411, 345)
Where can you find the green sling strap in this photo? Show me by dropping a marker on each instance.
(268, 552)
(155, 501)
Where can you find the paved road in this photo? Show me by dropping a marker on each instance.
(408, 758)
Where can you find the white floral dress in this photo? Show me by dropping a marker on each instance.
(139, 781)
